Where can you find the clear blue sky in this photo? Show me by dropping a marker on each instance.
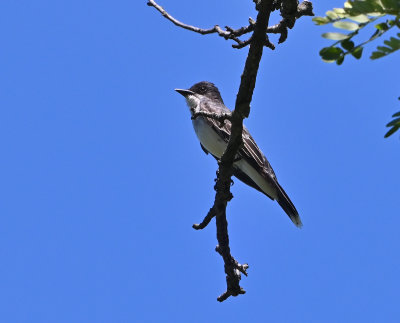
(102, 175)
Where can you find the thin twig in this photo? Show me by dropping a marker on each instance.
(229, 33)
(210, 215)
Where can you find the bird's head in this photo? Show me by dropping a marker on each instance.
(200, 90)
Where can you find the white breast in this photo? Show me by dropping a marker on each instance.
(209, 138)
(217, 146)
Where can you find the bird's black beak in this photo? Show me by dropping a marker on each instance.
(185, 93)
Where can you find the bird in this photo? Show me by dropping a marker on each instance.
(250, 165)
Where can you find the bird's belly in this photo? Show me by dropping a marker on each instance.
(217, 146)
(209, 138)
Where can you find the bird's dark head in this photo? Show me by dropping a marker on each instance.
(204, 88)
(207, 89)
(198, 92)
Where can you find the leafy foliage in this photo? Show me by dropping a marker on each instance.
(394, 124)
(352, 18)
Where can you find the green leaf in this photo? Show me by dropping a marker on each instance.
(394, 43)
(357, 53)
(347, 44)
(360, 18)
(366, 7)
(376, 55)
(335, 36)
(391, 4)
(382, 26)
(376, 14)
(331, 53)
(340, 60)
(347, 5)
(332, 15)
(355, 15)
(395, 122)
(392, 131)
(321, 20)
(347, 25)
(339, 11)
(385, 49)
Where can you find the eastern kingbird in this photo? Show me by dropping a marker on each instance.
(251, 166)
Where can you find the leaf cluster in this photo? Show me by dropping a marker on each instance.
(353, 17)
(394, 124)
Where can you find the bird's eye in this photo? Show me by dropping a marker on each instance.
(203, 89)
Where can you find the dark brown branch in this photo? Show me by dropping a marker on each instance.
(242, 268)
(232, 289)
(210, 215)
(243, 30)
(241, 44)
(212, 212)
(242, 110)
(304, 9)
(291, 10)
(229, 33)
(245, 43)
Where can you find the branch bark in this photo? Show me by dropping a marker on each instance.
(291, 10)
(241, 111)
(229, 33)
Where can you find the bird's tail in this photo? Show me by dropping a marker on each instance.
(287, 205)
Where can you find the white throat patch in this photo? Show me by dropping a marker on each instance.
(193, 102)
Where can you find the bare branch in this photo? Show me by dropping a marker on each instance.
(243, 30)
(242, 268)
(210, 215)
(229, 33)
(242, 110)
(241, 44)
(230, 292)
(176, 22)
(304, 9)
(291, 10)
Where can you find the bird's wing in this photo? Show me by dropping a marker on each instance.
(250, 151)
(253, 155)
(204, 149)
(238, 173)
